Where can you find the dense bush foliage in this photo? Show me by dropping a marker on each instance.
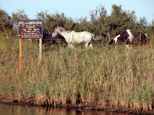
(101, 23)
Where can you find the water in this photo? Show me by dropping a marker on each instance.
(31, 110)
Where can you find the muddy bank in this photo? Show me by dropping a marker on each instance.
(130, 108)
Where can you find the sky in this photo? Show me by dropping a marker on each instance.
(78, 8)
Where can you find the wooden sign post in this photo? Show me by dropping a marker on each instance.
(40, 49)
(29, 29)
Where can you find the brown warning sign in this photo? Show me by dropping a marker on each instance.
(30, 28)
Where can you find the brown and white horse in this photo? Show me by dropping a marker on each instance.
(140, 38)
(72, 37)
(129, 37)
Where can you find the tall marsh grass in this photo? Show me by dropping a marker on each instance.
(114, 74)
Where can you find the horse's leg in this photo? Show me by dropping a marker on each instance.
(91, 46)
(86, 45)
(129, 47)
(70, 45)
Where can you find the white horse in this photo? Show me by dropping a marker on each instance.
(73, 37)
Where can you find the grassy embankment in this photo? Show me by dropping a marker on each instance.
(113, 75)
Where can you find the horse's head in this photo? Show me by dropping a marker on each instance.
(55, 32)
(146, 37)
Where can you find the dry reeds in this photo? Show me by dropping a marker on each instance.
(102, 74)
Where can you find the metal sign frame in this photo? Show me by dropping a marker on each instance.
(30, 28)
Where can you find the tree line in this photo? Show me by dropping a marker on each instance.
(100, 22)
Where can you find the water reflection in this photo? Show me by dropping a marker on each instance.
(31, 110)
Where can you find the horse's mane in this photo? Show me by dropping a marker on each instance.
(64, 29)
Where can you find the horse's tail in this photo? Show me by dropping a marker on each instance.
(92, 37)
(146, 37)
